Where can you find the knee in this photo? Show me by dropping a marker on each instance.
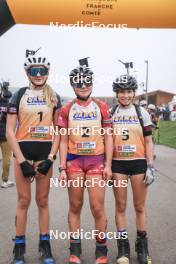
(42, 202)
(121, 207)
(24, 202)
(75, 208)
(97, 210)
(139, 208)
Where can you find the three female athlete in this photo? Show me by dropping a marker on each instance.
(35, 108)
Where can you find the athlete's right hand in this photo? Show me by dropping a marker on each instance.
(107, 173)
(63, 176)
(27, 169)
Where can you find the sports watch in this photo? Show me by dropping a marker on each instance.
(61, 168)
(52, 157)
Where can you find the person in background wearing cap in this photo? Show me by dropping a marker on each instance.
(34, 150)
(5, 95)
(143, 103)
(85, 156)
(152, 111)
(132, 160)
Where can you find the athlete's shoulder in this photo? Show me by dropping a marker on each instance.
(106, 118)
(63, 115)
(15, 100)
(22, 90)
(102, 104)
(17, 95)
(68, 105)
(65, 109)
(98, 101)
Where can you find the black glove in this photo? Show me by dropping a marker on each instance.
(27, 169)
(44, 166)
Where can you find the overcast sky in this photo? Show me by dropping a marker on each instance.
(64, 47)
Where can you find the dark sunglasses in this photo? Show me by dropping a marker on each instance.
(81, 82)
(34, 71)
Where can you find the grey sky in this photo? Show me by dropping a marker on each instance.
(104, 46)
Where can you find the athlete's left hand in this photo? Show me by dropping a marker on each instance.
(107, 173)
(44, 166)
(149, 175)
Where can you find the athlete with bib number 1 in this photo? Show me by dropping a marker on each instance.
(82, 157)
(133, 159)
(35, 108)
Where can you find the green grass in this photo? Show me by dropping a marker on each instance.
(168, 133)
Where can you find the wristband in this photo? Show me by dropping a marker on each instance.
(52, 156)
(61, 169)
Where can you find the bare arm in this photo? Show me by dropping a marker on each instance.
(55, 144)
(108, 147)
(107, 174)
(63, 150)
(11, 138)
(149, 149)
(56, 139)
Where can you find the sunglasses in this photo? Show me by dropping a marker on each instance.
(79, 83)
(36, 71)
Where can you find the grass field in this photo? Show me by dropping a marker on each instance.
(168, 133)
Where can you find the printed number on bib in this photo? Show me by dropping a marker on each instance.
(40, 115)
(85, 132)
(125, 134)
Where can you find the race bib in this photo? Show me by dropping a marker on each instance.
(39, 131)
(126, 150)
(85, 147)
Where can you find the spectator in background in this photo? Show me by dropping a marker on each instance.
(152, 111)
(143, 103)
(166, 113)
(173, 114)
(5, 94)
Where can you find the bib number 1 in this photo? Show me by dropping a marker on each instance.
(40, 115)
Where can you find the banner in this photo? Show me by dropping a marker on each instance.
(133, 13)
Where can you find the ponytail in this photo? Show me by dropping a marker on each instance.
(50, 96)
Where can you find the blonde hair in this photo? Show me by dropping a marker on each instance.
(50, 96)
